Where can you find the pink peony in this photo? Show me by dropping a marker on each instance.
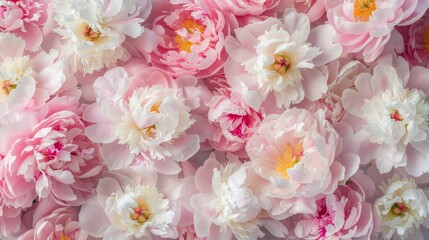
(146, 114)
(294, 155)
(235, 122)
(314, 9)
(10, 217)
(416, 39)
(243, 8)
(24, 18)
(281, 59)
(27, 80)
(345, 214)
(390, 113)
(61, 224)
(365, 26)
(191, 38)
(227, 204)
(55, 158)
(133, 203)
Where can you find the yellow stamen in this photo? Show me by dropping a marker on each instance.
(90, 34)
(63, 236)
(426, 39)
(190, 26)
(7, 86)
(289, 159)
(140, 214)
(363, 9)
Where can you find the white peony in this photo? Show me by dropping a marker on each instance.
(402, 208)
(96, 29)
(152, 117)
(140, 211)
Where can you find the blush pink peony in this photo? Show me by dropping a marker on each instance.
(294, 155)
(389, 111)
(147, 114)
(191, 38)
(55, 159)
(416, 39)
(365, 26)
(280, 58)
(345, 214)
(61, 224)
(25, 19)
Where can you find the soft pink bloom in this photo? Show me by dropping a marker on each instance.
(242, 8)
(345, 214)
(389, 112)
(24, 18)
(10, 217)
(145, 113)
(314, 9)
(365, 26)
(294, 155)
(234, 120)
(27, 80)
(191, 38)
(416, 39)
(226, 204)
(55, 158)
(281, 59)
(134, 203)
(61, 224)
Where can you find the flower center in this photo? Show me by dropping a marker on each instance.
(281, 63)
(7, 86)
(395, 115)
(289, 159)
(150, 129)
(426, 39)
(363, 9)
(140, 214)
(63, 236)
(90, 34)
(188, 34)
(398, 208)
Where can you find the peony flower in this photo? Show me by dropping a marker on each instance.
(314, 9)
(10, 217)
(146, 114)
(226, 205)
(61, 224)
(24, 19)
(391, 116)
(365, 26)
(402, 209)
(27, 81)
(281, 58)
(234, 121)
(294, 155)
(243, 8)
(95, 30)
(416, 38)
(191, 38)
(133, 203)
(342, 215)
(56, 159)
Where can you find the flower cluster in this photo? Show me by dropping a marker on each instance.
(214, 119)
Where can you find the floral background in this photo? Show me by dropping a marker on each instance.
(214, 119)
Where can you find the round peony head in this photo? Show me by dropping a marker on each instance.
(191, 39)
(61, 224)
(55, 159)
(416, 39)
(402, 209)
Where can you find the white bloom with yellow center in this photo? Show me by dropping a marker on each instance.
(402, 208)
(96, 29)
(12, 71)
(140, 211)
(152, 117)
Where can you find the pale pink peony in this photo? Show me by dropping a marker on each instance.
(226, 204)
(365, 26)
(27, 80)
(294, 153)
(314, 9)
(54, 159)
(389, 112)
(145, 113)
(133, 203)
(235, 122)
(10, 217)
(61, 224)
(243, 8)
(25, 19)
(416, 39)
(191, 38)
(345, 214)
(281, 59)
